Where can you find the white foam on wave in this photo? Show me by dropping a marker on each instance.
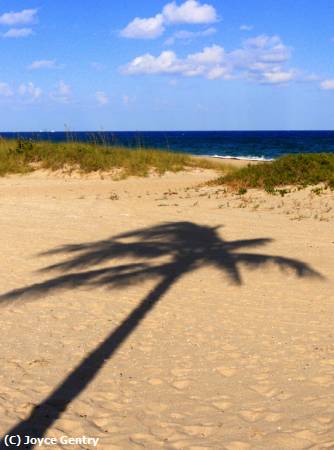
(243, 158)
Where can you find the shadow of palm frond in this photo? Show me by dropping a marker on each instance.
(186, 246)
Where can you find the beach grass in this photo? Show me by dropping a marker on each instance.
(291, 170)
(23, 156)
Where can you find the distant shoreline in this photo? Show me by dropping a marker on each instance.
(244, 158)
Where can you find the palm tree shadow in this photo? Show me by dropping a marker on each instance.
(166, 252)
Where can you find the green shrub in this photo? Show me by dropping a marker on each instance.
(330, 183)
(242, 191)
(317, 190)
(301, 170)
(20, 156)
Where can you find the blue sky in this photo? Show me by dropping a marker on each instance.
(166, 65)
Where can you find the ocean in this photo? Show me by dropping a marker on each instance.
(252, 145)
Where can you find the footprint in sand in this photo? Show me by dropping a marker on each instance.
(273, 417)
(261, 377)
(114, 447)
(285, 441)
(180, 372)
(178, 442)
(161, 432)
(308, 435)
(177, 416)
(222, 405)
(324, 379)
(226, 371)
(324, 419)
(329, 444)
(283, 396)
(182, 384)
(142, 439)
(265, 390)
(198, 447)
(106, 423)
(251, 416)
(237, 445)
(67, 426)
(155, 381)
(199, 430)
(155, 408)
(145, 349)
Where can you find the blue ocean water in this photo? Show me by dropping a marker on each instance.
(235, 144)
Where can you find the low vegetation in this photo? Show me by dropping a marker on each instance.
(292, 170)
(23, 156)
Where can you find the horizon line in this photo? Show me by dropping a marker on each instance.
(167, 131)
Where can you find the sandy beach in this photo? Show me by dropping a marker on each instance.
(161, 313)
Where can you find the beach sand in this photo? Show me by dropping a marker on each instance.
(210, 326)
(234, 162)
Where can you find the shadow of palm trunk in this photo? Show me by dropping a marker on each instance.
(48, 411)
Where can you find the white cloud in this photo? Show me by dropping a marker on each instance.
(144, 28)
(268, 49)
(43, 64)
(219, 72)
(101, 98)
(5, 90)
(62, 93)
(189, 12)
(196, 64)
(30, 91)
(261, 59)
(277, 76)
(264, 59)
(327, 85)
(246, 27)
(166, 62)
(18, 18)
(209, 55)
(18, 33)
(190, 35)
